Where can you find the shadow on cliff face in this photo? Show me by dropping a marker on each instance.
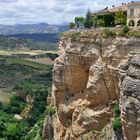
(119, 134)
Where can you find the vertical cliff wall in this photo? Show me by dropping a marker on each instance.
(90, 77)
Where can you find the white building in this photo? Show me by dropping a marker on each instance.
(131, 9)
(133, 14)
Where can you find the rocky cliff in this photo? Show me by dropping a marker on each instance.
(91, 77)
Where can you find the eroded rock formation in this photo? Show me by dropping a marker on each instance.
(90, 76)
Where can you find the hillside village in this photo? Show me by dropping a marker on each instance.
(131, 11)
(126, 14)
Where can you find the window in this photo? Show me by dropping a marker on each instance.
(138, 23)
(131, 12)
(131, 23)
(139, 14)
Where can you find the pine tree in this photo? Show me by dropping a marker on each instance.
(88, 20)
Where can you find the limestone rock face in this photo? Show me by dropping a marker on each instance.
(89, 77)
(130, 100)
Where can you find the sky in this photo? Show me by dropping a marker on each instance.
(49, 11)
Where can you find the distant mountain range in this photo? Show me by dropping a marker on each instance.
(40, 36)
(42, 28)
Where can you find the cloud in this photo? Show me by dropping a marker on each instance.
(10, 1)
(50, 11)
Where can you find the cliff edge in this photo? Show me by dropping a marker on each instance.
(96, 88)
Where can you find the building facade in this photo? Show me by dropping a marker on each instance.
(131, 9)
(133, 14)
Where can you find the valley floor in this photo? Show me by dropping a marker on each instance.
(25, 84)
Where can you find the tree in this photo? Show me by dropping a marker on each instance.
(104, 20)
(79, 21)
(101, 23)
(120, 18)
(72, 25)
(12, 132)
(16, 131)
(2, 128)
(89, 20)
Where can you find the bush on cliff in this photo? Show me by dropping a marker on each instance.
(108, 33)
(51, 110)
(72, 25)
(117, 123)
(75, 35)
(117, 111)
(124, 31)
(133, 33)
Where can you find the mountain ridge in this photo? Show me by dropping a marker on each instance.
(31, 28)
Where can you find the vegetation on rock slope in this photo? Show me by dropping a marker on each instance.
(29, 85)
(28, 43)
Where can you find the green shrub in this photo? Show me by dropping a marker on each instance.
(36, 131)
(2, 128)
(79, 21)
(124, 30)
(108, 33)
(120, 18)
(39, 105)
(101, 23)
(72, 25)
(15, 106)
(104, 20)
(51, 110)
(15, 131)
(117, 110)
(133, 33)
(52, 56)
(116, 123)
(75, 35)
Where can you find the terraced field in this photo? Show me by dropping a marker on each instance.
(46, 61)
(28, 63)
(14, 71)
(28, 52)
